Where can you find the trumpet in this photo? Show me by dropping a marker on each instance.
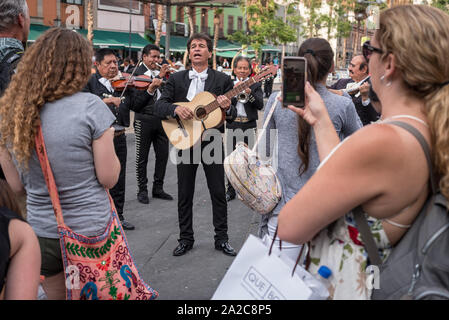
(171, 69)
(243, 97)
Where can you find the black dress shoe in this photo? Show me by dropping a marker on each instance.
(182, 249)
(126, 225)
(226, 248)
(230, 196)
(142, 197)
(162, 195)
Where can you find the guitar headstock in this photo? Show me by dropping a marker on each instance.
(267, 72)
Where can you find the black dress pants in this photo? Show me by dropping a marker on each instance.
(268, 87)
(148, 130)
(118, 191)
(186, 189)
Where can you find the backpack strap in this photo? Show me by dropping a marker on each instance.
(359, 215)
(424, 145)
(12, 58)
(367, 236)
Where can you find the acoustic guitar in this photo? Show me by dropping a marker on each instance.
(184, 134)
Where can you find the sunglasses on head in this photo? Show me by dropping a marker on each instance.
(368, 50)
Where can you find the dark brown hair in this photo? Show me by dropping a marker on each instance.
(319, 56)
(199, 36)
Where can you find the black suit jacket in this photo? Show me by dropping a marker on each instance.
(134, 99)
(149, 108)
(254, 104)
(177, 87)
(367, 114)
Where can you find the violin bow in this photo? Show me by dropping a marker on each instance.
(129, 79)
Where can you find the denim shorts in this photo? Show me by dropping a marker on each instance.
(51, 257)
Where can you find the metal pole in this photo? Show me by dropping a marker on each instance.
(285, 21)
(167, 32)
(130, 26)
(245, 47)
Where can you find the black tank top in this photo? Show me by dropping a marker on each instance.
(6, 216)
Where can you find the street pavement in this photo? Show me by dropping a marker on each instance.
(195, 275)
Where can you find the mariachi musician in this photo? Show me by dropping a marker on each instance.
(148, 130)
(101, 84)
(248, 104)
(183, 86)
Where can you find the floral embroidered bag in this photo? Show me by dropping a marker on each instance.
(96, 268)
(255, 182)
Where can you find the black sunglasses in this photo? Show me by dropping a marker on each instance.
(368, 50)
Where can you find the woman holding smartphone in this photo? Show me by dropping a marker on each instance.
(296, 156)
(382, 167)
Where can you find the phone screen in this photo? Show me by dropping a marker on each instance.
(294, 80)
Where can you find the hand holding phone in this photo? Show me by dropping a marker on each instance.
(315, 109)
(294, 77)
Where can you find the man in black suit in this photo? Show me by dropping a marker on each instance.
(183, 86)
(358, 70)
(268, 87)
(100, 85)
(148, 130)
(247, 113)
(127, 66)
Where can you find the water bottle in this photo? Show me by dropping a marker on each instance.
(324, 274)
(320, 283)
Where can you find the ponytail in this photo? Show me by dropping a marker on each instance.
(437, 107)
(319, 56)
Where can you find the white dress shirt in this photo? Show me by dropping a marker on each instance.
(107, 84)
(197, 83)
(240, 107)
(153, 74)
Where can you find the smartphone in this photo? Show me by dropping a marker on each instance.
(294, 77)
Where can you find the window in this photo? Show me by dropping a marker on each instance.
(120, 5)
(80, 2)
(230, 24)
(180, 14)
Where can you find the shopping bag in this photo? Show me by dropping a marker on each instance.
(255, 274)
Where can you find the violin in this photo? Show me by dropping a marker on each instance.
(127, 80)
(353, 87)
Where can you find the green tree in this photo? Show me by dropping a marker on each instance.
(263, 26)
(441, 4)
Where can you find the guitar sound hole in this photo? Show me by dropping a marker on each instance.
(200, 113)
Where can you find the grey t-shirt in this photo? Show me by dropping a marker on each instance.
(69, 125)
(345, 119)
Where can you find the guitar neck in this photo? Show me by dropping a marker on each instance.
(231, 94)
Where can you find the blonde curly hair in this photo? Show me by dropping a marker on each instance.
(418, 36)
(57, 65)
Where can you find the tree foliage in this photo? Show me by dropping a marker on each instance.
(441, 4)
(263, 26)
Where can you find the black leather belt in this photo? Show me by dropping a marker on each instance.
(119, 133)
(241, 119)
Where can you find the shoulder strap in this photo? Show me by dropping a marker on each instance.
(11, 57)
(424, 145)
(359, 216)
(367, 236)
(48, 175)
(265, 124)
